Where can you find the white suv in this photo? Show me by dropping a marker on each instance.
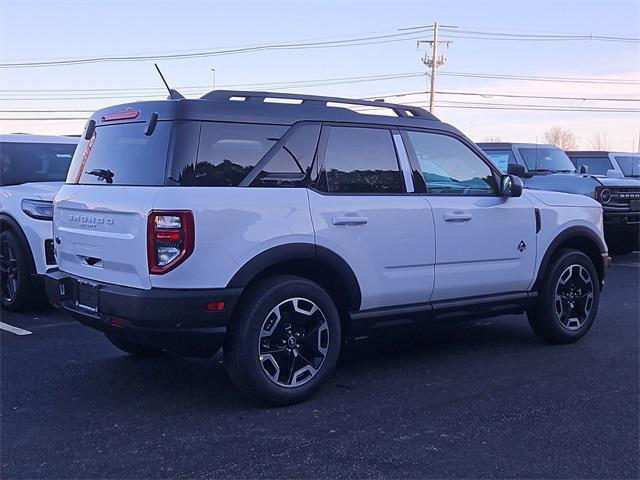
(277, 226)
(32, 168)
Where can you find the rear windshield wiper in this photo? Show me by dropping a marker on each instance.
(102, 174)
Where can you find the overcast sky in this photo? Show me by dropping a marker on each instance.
(54, 30)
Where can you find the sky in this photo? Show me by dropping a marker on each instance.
(53, 30)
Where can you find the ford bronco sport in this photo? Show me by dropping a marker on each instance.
(276, 226)
(546, 167)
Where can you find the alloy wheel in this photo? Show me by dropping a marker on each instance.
(574, 297)
(293, 343)
(8, 272)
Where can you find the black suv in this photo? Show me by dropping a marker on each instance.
(546, 167)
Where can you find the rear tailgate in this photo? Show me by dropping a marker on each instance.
(100, 233)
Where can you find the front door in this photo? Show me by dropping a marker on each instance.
(485, 243)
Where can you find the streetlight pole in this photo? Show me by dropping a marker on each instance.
(214, 78)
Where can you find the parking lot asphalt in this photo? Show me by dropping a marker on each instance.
(479, 399)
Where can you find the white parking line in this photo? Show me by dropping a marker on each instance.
(12, 329)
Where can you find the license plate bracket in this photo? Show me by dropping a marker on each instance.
(88, 297)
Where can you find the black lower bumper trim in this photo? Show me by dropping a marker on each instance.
(175, 320)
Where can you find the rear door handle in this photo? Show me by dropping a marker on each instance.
(349, 220)
(457, 217)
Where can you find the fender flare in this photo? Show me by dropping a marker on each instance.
(577, 231)
(300, 251)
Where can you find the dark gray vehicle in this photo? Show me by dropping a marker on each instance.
(546, 167)
(610, 164)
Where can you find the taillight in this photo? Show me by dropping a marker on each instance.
(170, 239)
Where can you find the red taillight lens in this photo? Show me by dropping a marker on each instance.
(170, 239)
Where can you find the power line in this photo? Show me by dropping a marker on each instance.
(545, 97)
(403, 34)
(538, 37)
(534, 78)
(366, 40)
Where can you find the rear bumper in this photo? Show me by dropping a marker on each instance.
(175, 320)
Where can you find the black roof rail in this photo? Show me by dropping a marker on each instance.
(251, 96)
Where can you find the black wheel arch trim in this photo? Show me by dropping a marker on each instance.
(300, 251)
(576, 231)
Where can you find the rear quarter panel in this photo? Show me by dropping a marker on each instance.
(233, 225)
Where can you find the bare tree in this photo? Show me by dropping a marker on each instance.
(491, 139)
(561, 138)
(599, 141)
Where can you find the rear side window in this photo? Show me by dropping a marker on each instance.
(291, 162)
(227, 152)
(34, 162)
(361, 160)
(595, 165)
(121, 154)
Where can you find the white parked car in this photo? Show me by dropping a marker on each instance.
(32, 168)
(276, 226)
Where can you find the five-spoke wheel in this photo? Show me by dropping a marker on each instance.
(568, 298)
(293, 343)
(284, 341)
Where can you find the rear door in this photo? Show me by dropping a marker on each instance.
(100, 219)
(485, 243)
(364, 209)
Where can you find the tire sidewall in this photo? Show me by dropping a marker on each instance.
(547, 308)
(246, 331)
(24, 288)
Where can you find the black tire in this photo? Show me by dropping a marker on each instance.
(16, 274)
(132, 348)
(273, 373)
(564, 312)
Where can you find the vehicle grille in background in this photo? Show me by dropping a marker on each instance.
(48, 252)
(622, 198)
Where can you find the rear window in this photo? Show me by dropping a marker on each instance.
(361, 160)
(121, 154)
(34, 162)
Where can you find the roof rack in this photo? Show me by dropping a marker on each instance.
(250, 96)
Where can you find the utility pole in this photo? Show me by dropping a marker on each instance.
(434, 62)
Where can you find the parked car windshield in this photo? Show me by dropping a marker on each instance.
(595, 165)
(629, 164)
(502, 158)
(546, 159)
(34, 162)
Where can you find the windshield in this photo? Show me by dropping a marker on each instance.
(502, 158)
(546, 159)
(34, 162)
(629, 164)
(595, 165)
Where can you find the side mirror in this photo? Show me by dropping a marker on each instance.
(516, 169)
(511, 186)
(584, 169)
